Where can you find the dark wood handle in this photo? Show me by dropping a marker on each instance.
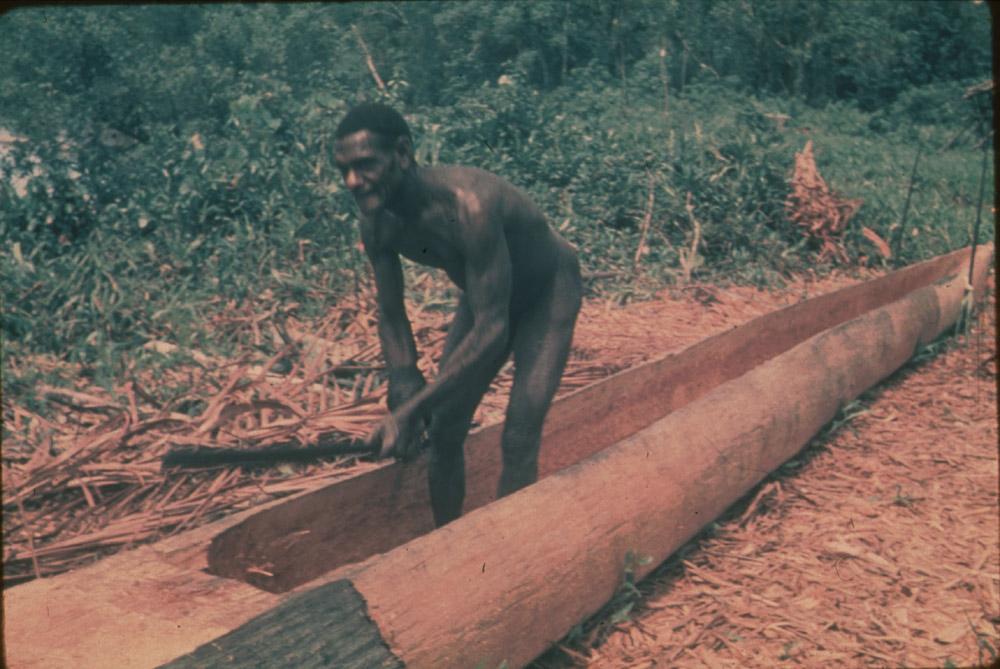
(207, 456)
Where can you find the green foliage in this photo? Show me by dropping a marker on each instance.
(166, 161)
(628, 594)
(938, 103)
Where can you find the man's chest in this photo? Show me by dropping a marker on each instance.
(432, 243)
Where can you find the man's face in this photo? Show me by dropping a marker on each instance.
(371, 171)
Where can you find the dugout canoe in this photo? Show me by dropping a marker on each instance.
(350, 575)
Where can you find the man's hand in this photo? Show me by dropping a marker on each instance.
(399, 435)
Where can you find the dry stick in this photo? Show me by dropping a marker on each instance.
(687, 258)
(972, 257)
(617, 41)
(287, 452)
(565, 43)
(979, 213)
(608, 274)
(647, 219)
(898, 241)
(31, 538)
(663, 78)
(368, 58)
(954, 139)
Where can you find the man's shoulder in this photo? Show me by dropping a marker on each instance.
(464, 176)
(485, 186)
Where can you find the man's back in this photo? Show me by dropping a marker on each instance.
(535, 249)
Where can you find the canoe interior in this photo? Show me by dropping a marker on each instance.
(296, 540)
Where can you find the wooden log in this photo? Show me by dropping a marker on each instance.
(503, 583)
(327, 626)
(160, 603)
(330, 527)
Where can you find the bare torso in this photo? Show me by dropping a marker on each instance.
(521, 292)
(451, 198)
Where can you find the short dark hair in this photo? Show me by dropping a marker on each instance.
(378, 118)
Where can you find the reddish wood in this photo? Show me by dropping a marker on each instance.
(509, 579)
(302, 538)
(140, 608)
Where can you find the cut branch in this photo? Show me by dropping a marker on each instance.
(368, 58)
(664, 79)
(208, 456)
(898, 239)
(689, 257)
(646, 220)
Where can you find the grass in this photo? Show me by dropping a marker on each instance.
(222, 286)
(945, 198)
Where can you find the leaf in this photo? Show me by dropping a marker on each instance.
(879, 243)
(326, 99)
(621, 615)
(842, 548)
(19, 257)
(952, 633)
(807, 603)
(902, 615)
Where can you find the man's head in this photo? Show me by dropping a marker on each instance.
(374, 149)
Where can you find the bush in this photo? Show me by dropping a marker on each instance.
(179, 159)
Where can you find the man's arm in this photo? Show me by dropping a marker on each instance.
(394, 329)
(487, 292)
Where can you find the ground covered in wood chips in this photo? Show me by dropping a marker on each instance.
(879, 547)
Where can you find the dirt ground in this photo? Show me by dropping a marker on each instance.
(878, 546)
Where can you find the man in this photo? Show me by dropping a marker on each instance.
(521, 291)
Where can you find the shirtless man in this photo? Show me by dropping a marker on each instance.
(521, 291)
